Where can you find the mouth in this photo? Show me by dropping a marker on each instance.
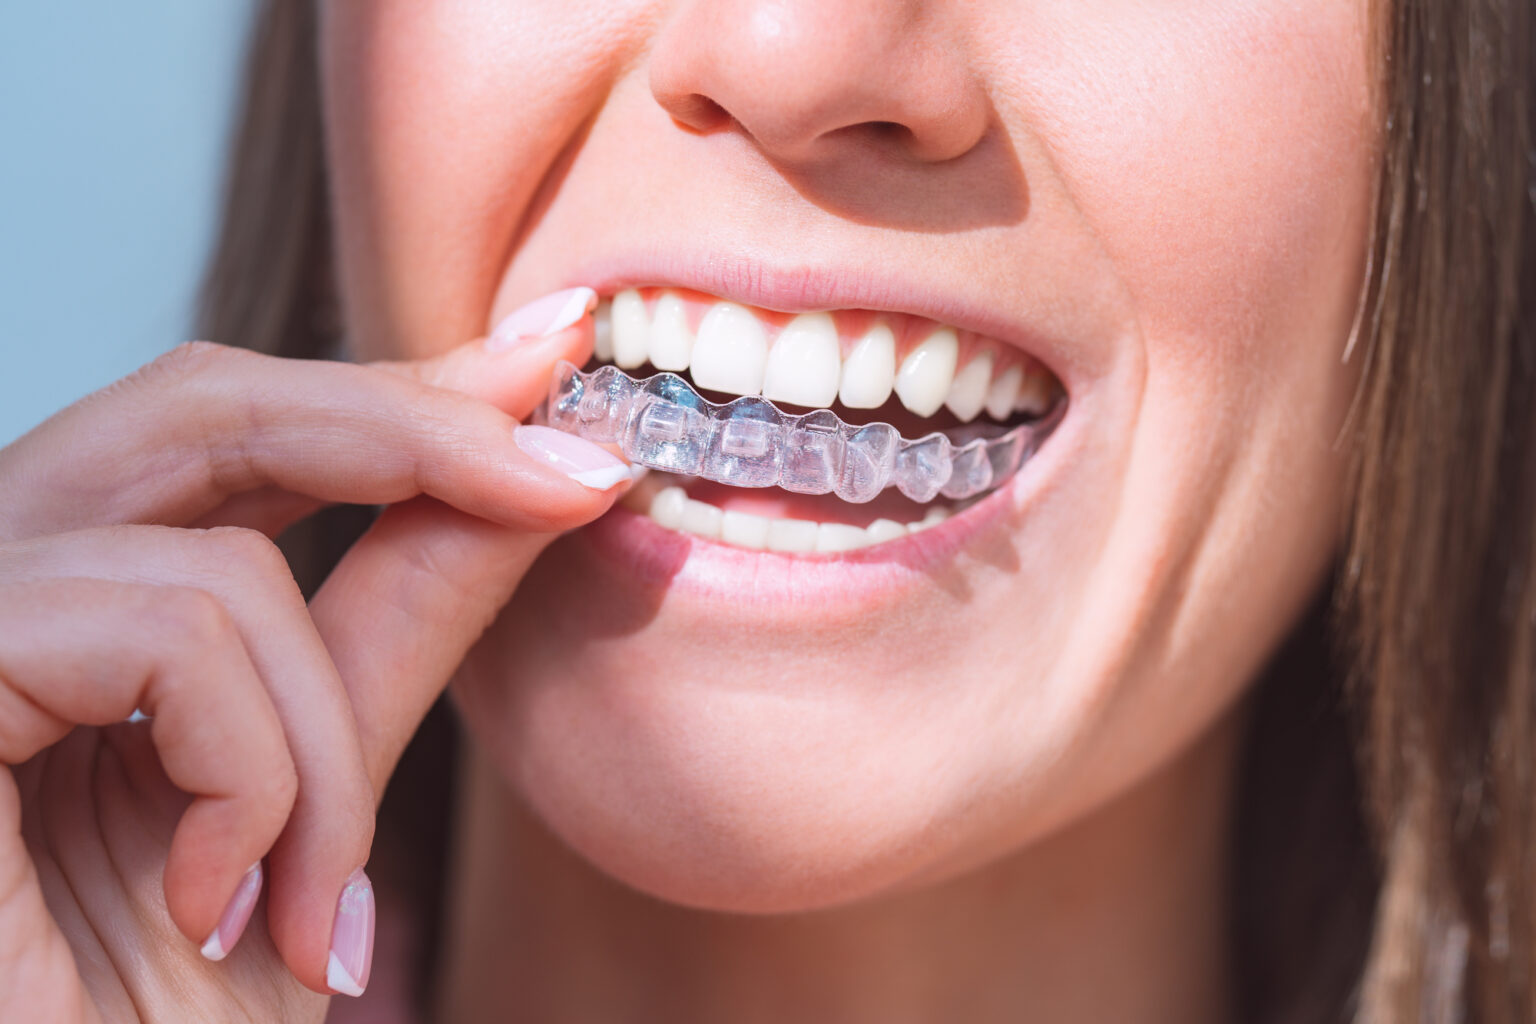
(818, 432)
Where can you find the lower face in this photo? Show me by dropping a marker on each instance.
(1163, 227)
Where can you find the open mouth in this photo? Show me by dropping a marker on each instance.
(812, 432)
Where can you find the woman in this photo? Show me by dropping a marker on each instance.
(1254, 280)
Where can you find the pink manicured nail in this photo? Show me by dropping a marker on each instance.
(352, 938)
(579, 459)
(232, 925)
(543, 317)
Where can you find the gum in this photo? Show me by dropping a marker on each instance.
(663, 423)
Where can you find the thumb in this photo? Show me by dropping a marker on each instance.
(403, 608)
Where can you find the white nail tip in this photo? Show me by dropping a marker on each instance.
(805, 363)
(338, 980)
(602, 479)
(576, 306)
(214, 949)
(926, 374)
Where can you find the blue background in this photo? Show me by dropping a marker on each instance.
(115, 118)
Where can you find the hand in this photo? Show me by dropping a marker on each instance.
(137, 572)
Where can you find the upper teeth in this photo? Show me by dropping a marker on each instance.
(804, 364)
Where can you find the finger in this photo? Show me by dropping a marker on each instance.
(512, 368)
(330, 828)
(88, 652)
(38, 976)
(204, 423)
(403, 608)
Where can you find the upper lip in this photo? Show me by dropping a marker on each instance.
(805, 287)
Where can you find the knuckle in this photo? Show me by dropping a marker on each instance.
(193, 619)
(238, 550)
(191, 357)
(279, 788)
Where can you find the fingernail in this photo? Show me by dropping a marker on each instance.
(352, 938)
(232, 925)
(579, 459)
(543, 317)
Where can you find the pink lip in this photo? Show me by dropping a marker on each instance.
(638, 554)
(807, 287)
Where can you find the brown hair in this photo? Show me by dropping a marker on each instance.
(1427, 638)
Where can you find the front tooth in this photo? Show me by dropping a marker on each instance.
(923, 381)
(882, 530)
(870, 370)
(792, 535)
(840, 537)
(744, 530)
(631, 328)
(804, 363)
(702, 519)
(730, 351)
(1004, 392)
(969, 391)
(602, 332)
(936, 515)
(667, 506)
(1034, 395)
(670, 341)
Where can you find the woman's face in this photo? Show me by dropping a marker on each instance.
(1166, 204)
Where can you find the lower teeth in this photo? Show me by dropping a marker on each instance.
(660, 496)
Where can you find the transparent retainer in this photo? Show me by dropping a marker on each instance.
(663, 423)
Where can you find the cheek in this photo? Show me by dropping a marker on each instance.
(1222, 154)
(442, 122)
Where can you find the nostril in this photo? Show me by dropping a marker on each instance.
(697, 112)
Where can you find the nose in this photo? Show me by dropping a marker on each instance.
(808, 78)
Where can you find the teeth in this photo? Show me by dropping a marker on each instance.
(968, 393)
(792, 535)
(730, 352)
(840, 537)
(925, 376)
(804, 364)
(745, 530)
(704, 520)
(671, 507)
(1034, 394)
(1004, 392)
(667, 506)
(804, 367)
(631, 343)
(670, 341)
(602, 332)
(882, 530)
(870, 370)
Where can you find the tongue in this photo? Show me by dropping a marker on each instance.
(821, 508)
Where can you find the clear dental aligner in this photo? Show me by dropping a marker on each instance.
(663, 423)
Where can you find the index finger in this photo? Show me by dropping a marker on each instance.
(205, 422)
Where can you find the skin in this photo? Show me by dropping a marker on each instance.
(1184, 199)
(1001, 786)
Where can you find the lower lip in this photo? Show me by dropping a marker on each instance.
(642, 555)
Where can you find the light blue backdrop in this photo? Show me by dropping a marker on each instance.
(114, 118)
